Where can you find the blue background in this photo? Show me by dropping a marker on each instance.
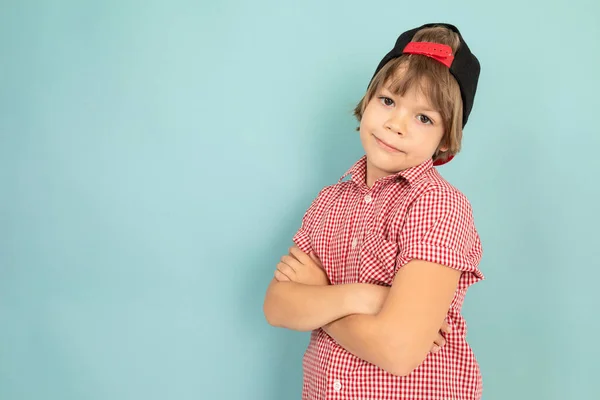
(156, 158)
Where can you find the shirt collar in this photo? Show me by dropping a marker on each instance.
(359, 172)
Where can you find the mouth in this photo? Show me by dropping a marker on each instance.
(385, 146)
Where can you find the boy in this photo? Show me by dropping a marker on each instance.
(383, 259)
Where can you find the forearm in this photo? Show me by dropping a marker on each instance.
(306, 307)
(365, 337)
(360, 335)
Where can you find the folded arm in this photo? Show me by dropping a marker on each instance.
(399, 337)
(301, 298)
(304, 307)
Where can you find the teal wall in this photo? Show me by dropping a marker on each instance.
(156, 158)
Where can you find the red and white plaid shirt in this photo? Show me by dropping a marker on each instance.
(365, 235)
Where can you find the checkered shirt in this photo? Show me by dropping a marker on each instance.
(365, 235)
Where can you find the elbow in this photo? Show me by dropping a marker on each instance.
(270, 305)
(401, 367)
(273, 319)
(275, 314)
(280, 314)
(401, 361)
(271, 314)
(277, 319)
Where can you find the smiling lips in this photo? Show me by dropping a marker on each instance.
(385, 146)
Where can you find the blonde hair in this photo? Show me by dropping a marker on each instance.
(433, 79)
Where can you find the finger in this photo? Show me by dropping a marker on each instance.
(446, 327)
(435, 348)
(300, 255)
(440, 340)
(286, 270)
(280, 276)
(291, 261)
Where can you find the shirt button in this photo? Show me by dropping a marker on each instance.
(337, 385)
(354, 243)
(368, 198)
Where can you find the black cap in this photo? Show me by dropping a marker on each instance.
(465, 68)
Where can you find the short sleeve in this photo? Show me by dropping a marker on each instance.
(302, 238)
(439, 228)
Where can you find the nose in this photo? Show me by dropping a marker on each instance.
(396, 124)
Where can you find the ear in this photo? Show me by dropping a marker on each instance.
(444, 145)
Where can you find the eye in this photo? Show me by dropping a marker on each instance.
(424, 119)
(386, 101)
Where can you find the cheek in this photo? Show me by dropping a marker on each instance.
(366, 126)
(364, 135)
(371, 114)
(428, 142)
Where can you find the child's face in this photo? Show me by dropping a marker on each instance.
(398, 132)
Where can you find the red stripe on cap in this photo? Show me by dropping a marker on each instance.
(437, 51)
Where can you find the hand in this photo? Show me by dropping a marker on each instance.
(300, 267)
(440, 340)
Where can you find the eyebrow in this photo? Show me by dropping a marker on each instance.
(421, 108)
(427, 110)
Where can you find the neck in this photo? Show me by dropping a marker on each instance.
(373, 174)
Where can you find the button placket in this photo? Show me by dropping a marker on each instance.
(337, 385)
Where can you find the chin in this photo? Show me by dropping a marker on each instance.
(392, 163)
(388, 163)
